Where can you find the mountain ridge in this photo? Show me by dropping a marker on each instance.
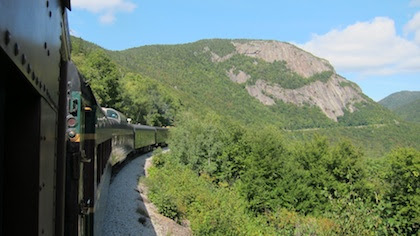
(250, 63)
(398, 99)
(406, 104)
(160, 81)
(254, 68)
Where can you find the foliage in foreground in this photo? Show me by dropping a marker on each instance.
(228, 180)
(180, 193)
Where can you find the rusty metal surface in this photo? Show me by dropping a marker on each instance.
(30, 35)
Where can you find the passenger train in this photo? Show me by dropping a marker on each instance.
(57, 144)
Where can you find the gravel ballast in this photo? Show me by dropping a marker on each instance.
(129, 211)
(123, 215)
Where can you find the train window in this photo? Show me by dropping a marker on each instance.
(112, 114)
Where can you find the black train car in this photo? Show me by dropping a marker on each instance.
(97, 140)
(56, 141)
(34, 52)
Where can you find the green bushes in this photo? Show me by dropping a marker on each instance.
(179, 193)
(231, 180)
(147, 101)
(353, 215)
(287, 222)
(403, 177)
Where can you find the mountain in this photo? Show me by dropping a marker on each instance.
(257, 82)
(399, 99)
(254, 83)
(405, 104)
(266, 131)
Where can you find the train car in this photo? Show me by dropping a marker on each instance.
(161, 136)
(113, 114)
(34, 52)
(123, 135)
(89, 145)
(144, 137)
(98, 138)
(57, 142)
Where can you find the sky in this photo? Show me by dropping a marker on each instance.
(374, 43)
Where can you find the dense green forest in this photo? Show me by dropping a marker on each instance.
(399, 99)
(144, 100)
(156, 82)
(230, 180)
(237, 167)
(406, 104)
(190, 69)
(409, 112)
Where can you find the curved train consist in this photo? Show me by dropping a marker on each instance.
(58, 145)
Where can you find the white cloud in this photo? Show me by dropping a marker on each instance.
(367, 47)
(106, 8)
(74, 33)
(413, 26)
(107, 18)
(415, 3)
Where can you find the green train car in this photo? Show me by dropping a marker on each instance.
(162, 135)
(144, 137)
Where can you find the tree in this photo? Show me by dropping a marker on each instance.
(103, 76)
(146, 102)
(346, 167)
(403, 175)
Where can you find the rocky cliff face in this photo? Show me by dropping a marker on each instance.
(299, 61)
(333, 97)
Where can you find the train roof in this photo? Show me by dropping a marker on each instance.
(161, 128)
(111, 113)
(144, 127)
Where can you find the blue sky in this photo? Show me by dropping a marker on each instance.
(375, 43)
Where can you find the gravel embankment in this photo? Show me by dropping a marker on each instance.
(131, 213)
(123, 216)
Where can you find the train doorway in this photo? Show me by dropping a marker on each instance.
(21, 106)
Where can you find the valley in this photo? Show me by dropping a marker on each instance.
(265, 138)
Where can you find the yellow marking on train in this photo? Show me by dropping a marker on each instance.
(90, 136)
(76, 138)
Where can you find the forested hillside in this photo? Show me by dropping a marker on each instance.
(145, 100)
(409, 112)
(399, 99)
(158, 81)
(291, 97)
(406, 104)
(230, 180)
(263, 143)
